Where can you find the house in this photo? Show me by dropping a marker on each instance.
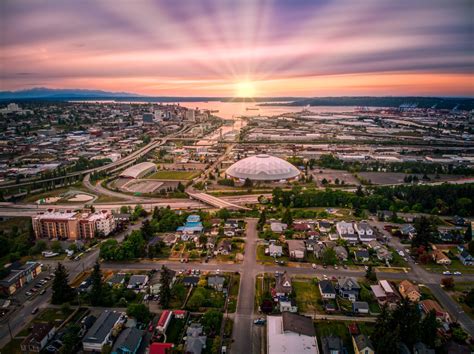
(374, 244)
(117, 279)
(137, 281)
(190, 280)
(408, 230)
(362, 255)
(160, 348)
(195, 340)
(332, 345)
(275, 250)
(180, 314)
(291, 333)
(324, 226)
(383, 254)
(282, 284)
(101, 331)
(39, 337)
(466, 258)
(277, 227)
(362, 344)
(164, 321)
(216, 282)
(296, 249)
(318, 249)
(348, 288)
(288, 305)
(327, 290)
(301, 227)
(440, 258)
(409, 290)
(364, 231)
(384, 293)
(128, 341)
(341, 253)
(156, 281)
(361, 307)
(224, 247)
(345, 231)
(431, 305)
(310, 243)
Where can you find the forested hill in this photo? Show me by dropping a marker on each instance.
(419, 102)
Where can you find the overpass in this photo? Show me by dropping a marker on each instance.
(214, 201)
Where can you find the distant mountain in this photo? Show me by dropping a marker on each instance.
(47, 93)
(460, 103)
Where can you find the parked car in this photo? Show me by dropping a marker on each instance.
(457, 273)
(35, 310)
(28, 293)
(447, 272)
(259, 321)
(42, 291)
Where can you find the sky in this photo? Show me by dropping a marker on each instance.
(240, 47)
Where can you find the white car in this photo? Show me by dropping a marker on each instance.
(313, 265)
(325, 277)
(446, 272)
(457, 273)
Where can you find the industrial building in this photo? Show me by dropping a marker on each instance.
(18, 276)
(139, 170)
(262, 167)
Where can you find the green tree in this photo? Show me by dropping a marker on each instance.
(329, 256)
(370, 274)
(384, 337)
(211, 321)
(165, 287)
(262, 219)
(428, 329)
(197, 299)
(248, 183)
(62, 292)
(216, 345)
(70, 339)
(425, 229)
(365, 294)
(56, 246)
(139, 311)
(468, 233)
(96, 286)
(223, 214)
(147, 230)
(287, 217)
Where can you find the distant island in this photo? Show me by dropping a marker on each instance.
(47, 94)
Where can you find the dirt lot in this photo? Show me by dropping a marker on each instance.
(331, 176)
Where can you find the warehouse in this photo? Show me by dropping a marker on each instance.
(138, 171)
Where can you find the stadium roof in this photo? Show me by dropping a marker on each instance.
(135, 170)
(263, 168)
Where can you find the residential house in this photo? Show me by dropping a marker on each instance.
(408, 230)
(39, 337)
(360, 307)
(345, 231)
(301, 227)
(180, 314)
(440, 257)
(318, 249)
(383, 254)
(324, 226)
(277, 226)
(362, 344)
(332, 345)
(224, 247)
(195, 339)
(362, 255)
(374, 244)
(466, 258)
(190, 280)
(432, 305)
(101, 331)
(156, 281)
(348, 288)
(291, 333)
(327, 290)
(283, 285)
(128, 341)
(310, 243)
(216, 282)
(288, 305)
(164, 321)
(384, 293)
(409, 290)
(296, 249)
(117, 279)
(364, 231)
(137, 281)
(275, 250)
(341, 253)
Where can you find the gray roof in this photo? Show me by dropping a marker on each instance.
(137, 279)
(348, 283)
(129, 339)
(102, 327)
(327, 287)
(362, 342)
(298, 324)
(360, 305)
(331, 344)
(262, 168)
(195, 341)
(215, 280)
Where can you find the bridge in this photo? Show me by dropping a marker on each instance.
(214, 201)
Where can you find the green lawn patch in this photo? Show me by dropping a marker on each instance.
(52, 315)
(307, 296)
(13, 347)
(234, 283)
(174, 332)
(175, 175)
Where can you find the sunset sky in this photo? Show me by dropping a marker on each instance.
(240, 48)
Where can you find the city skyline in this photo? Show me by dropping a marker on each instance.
(242, 48)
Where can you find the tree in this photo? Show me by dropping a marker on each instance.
(428, 328)
(180, 187)
(211, 321)
(70, 339)
(469, 298)
(202, 239)
(139, 311)
(287, 217)
(329, 256)
(62, 292)
(448, 282)
(370, 274)
(96, 286)
(216, 345)
(165, 287)
(262, 220)
(470, 246)
(468, 234)
(425, 229)
(197, 299)
(56, 247)
(365, 294)
(147, 230)
(248, 183)
(223, 214)
(385, 339)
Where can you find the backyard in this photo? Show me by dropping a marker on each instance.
(307, 296)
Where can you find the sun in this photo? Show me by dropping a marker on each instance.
(245, 89)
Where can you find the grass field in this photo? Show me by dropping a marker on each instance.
(456, 265)
(307, 296)
(174, 175)
(55, 192)
(234, 283)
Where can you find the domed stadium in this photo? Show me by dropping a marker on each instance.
(262, 168)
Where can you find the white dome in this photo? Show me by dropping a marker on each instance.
(262, 168)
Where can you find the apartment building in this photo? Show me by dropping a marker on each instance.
(71, 225)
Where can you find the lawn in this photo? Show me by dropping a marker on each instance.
(174, 333)
(52, 315)
(263, 284)
(55, 192)
(307, 296)
(458, 293)
(175, 175)
(234, 283)
(261, 256)
(456, 265)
